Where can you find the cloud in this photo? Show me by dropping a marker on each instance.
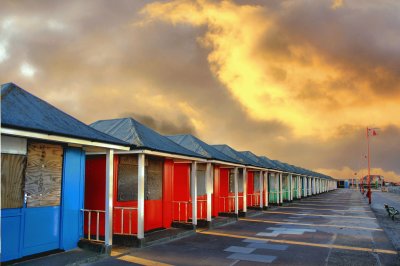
(293, 80)
(280, 62)
(348, 173)
(337, 4)
(165, 127)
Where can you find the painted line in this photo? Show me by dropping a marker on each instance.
(300, 243)
(287, 207)
(141, 261)
(328, 215)
(320, 225)
(324, 205)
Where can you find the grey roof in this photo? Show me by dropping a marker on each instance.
(261, 162)
(24, 111)
(141, 136)
(282, 166)
(269, 162)
(198, 146)
(236, 155)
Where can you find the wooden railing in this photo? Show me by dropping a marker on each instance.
(89, 223)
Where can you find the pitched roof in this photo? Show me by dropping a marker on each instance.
(269, 162)
(141, 136)
(196, 145)
(236, 155)
(24, 111)
(261, 162)
(282, 166)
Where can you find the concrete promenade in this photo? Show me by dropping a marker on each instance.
(336, 228)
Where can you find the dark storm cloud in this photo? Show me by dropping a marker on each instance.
(165, 127)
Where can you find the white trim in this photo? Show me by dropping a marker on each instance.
(109, 197)
(154, 153)
(57, 138)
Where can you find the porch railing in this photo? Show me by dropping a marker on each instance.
(89, 223)
(254, 199)
(231, 202)
(122, 211)
(181, 205)
(202, 205)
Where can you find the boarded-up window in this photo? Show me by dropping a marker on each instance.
(43, 174)
(201, 179)
(12, 180)
(256, 181)
(127, 187)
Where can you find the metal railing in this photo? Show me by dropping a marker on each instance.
(122, 212)
(89, 223)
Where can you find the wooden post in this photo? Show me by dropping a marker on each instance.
(245, 189)
(209, 189)
(193, 189)
(280, 189)
(266, 187)
(140, 208)
(290, 177)
(236, 190)
(109, 197)
(261, 189)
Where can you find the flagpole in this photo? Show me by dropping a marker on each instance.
(369, 170)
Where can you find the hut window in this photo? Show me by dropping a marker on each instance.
(256, 181)
(201, 179)
(12, 180)
(232, 180)
(240, 180)
(153, 179)
(128, 178)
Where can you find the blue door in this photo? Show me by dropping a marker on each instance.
(42, 198)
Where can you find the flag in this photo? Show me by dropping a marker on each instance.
(371, 132)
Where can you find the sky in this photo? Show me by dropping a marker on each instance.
(295, 80)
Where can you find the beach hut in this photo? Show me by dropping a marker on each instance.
(215, 190)
(155, 184)
(251, 167)
(42, 174)
(258, 188)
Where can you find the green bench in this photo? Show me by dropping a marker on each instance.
(391, 211)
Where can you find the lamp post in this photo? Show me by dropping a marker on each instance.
(373, 132)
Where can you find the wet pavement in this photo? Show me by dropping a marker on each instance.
(335, 228)
(392, 228)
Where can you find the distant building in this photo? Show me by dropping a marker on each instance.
(376, 181)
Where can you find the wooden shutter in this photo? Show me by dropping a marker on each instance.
(43, 174)
(12, 180)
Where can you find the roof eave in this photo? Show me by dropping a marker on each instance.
(59, 138)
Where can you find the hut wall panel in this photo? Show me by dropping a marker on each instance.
(167, 192)
(181, 189)
(216, 194)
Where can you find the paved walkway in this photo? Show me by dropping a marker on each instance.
(336, 228)
(392, 228)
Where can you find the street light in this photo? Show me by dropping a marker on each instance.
(370, 131)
